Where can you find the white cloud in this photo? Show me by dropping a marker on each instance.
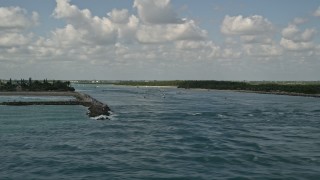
(8, 40)
(256, 39)
(97, 30)
(127, 32)
(156, 12)
(296, 40)
(170, 32)
(263, 50)
(308, 34)
(69, 36)
(255, 33)
(299, 20)
(317, 12)
(65, 10)
(159, 24)
(290, 32)
(117, 38)
(206, 50)
(296, 46)
(16, 18)
(239, 25)
(119, 16)
(293, 33)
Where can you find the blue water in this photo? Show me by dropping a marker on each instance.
(164, 133)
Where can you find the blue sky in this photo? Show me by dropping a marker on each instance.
(160, 39)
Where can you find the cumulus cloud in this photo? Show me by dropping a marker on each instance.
(119, 16)
(206, 50)
(97, 30)
(69, 36)
(15, 22)
(262, 50)
(8, 40)
(255, 39)
(293, 39)
(156, 12)
(317, 12)
(296, 46)
(127, 32)
(159, 24)
(239, 25)
(292, 32)
(16, 18)
(299, 20)
(170, 32)
(254, 33)
(116, 38)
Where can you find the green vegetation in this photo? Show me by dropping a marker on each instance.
(246, 86)
(263, 86)
(93, 82)
(30, 85)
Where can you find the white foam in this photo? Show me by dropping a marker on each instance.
(112, 116)
(221, 116)
(101, 117)
(195, 114)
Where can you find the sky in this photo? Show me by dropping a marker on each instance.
(160, 39)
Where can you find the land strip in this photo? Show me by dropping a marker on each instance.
(290, 88)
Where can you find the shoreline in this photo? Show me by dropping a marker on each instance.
(259, 92)
(240, 91)
(281, 93)
(232, 90)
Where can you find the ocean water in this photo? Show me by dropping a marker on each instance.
(164, 133)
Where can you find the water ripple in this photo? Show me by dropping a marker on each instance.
(188, 135)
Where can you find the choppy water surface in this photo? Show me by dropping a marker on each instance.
(164, 133)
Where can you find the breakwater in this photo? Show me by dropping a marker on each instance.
(95, 107)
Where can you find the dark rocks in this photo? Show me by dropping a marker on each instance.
(97, 109)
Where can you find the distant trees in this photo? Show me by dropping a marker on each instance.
(308, 88)
(36, 85)
(265, 87)
(149, 83)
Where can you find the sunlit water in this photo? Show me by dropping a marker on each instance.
(164, 133)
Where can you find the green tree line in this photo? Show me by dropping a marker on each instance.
(264, 87)
(306, 88)
(35, 85)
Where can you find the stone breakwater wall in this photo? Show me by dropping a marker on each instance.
(95, 107)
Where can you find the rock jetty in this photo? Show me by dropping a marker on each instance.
(95, 107)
